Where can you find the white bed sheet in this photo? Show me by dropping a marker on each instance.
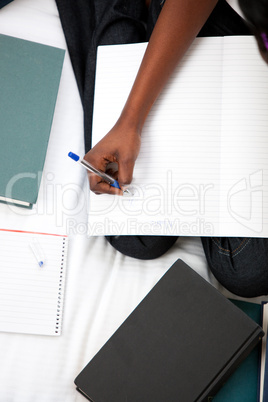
(102, 285)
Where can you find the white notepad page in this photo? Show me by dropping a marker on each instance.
(244, 140)
(31, 297)
(203, 145)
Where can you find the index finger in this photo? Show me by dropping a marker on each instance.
(99, 186)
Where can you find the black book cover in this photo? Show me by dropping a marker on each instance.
(180, 344)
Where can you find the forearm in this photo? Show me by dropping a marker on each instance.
(178, 24)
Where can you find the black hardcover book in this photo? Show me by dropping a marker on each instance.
(181, 343)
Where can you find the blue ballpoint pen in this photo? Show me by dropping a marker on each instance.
(109, 179)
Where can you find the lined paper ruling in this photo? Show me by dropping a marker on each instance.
(31, 295)
(203, 167)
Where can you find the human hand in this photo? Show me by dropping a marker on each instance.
(121, 146)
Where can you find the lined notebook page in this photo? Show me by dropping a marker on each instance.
(178, 173)
(31, 297)
(244, 140)
(169, 190)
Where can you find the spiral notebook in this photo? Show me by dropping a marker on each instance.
(32, 278)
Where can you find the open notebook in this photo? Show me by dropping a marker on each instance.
(31, 295)
(203, 166)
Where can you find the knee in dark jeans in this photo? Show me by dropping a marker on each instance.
(142, 247)
(239, 264)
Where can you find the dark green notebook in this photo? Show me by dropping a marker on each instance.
(243, 385)
(29, 80)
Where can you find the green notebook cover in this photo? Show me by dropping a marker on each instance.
(29, 80)
(243, 385)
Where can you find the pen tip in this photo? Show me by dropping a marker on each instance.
(127, 193)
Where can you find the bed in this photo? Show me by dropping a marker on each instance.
(102, 285)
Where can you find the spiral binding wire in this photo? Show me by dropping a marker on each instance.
(58, 316)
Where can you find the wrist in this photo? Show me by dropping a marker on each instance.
(131, 121)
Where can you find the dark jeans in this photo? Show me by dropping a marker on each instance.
(239, 264)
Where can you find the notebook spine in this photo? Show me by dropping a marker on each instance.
(60, 293)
